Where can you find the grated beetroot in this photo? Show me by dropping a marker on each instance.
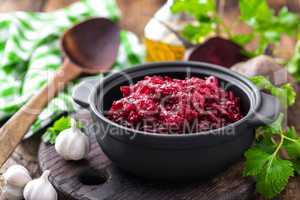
(164, 105)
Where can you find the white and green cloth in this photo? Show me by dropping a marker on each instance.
(30, 54)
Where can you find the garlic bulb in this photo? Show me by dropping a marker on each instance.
(72, 144)
(40, 189)
(17, 176)
(11, 192)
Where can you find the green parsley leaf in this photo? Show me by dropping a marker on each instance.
(195, 33)
(255, 161)
(198, 9)
(285, 93)
(293, 65)
(242, 39)
(293, 148)
(274, 176)
(266, 26)
(288, 22)
(253, 10)
(271, 172)
(266, 144)
(292, 133)
(264, 140)
(58, 126)
(261, 82)
(276, 126)
(292, 145)
(296, 165)
(205, 14)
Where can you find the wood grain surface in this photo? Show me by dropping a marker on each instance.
(136, 13)
(118, 185)
(115, 184)
(27, 5)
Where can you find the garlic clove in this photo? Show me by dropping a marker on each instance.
(72, 144)
(11, 192)
(40, 188)
(17, 175)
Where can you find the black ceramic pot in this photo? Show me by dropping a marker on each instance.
(176, 157)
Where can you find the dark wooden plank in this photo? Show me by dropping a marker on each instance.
(132, 9)
(56, 4)
(65, 176)
(135, 14)
(26, 155)
(24, 5)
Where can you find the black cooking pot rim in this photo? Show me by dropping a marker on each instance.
(216, 68)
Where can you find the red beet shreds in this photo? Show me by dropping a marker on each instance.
(165, 105)
(218, 51)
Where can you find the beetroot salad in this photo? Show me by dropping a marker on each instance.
(160, 104)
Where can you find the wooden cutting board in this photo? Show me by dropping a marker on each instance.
(98, 178)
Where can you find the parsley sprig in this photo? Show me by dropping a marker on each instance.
(267, 26)
(59, 125)
(52, 132)
(293, 65)
(265, 160)
(285, 93)
(206, 18)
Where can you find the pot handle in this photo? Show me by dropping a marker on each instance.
(82, 92)
(267, 112)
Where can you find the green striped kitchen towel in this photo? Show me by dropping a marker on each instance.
(30, 55)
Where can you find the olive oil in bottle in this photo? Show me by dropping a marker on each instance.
(162, 44)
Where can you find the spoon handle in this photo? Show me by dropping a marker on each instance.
(13, 131)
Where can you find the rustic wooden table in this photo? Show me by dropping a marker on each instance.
(135, 15)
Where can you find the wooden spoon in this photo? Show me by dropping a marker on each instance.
(89, 47)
